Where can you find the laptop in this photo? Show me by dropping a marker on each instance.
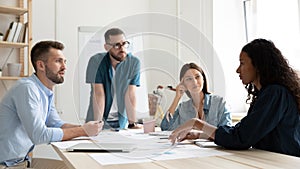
(102, 147)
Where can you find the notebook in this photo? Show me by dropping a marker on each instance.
(206, 144)
(101, 147)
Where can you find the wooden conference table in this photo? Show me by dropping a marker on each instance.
(251, 158)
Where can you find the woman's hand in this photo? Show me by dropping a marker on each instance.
(184, 131)
(192, 135)
(168, 115)
(180, 89)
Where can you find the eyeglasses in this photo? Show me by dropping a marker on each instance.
(119, 45)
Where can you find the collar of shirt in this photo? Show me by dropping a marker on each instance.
(206, 103)
(47, 91)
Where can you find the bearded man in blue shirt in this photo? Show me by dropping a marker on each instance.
(113, 76)
(27, 113)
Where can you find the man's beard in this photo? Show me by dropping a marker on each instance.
(120, 59)
(54, 77)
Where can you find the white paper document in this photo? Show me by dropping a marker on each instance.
(63, 145)
(148, 148)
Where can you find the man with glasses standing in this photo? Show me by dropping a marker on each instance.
(113, 76)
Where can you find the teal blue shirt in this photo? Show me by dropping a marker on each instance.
(27, 117)
(272, 124)
(215, 111)
(127, 73)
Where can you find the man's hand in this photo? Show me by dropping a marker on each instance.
(92, 128)
(135, 126)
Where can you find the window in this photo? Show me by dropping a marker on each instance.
(238, 22)
(277, 20)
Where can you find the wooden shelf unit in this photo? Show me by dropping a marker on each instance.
(4, 44)
(12, 10)
(10, 78)
(21, 11)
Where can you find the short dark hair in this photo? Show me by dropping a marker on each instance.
(189, 66)
(40, 49)
(112, 32)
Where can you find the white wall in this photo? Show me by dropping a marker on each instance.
(84, 13)
(161, 29)
(229, 38)
(178, 33)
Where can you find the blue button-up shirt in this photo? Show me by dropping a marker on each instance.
(216, 113)
(99, 70)
(27, 117)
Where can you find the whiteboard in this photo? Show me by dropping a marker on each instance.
(90, 42)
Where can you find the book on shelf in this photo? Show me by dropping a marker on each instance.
(24, 31)
(6, 35)
(11, 31)
(18, 31)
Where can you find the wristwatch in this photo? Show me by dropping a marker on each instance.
(131, 125)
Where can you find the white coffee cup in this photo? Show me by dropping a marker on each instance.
(14, 69)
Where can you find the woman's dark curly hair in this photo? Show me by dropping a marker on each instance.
(189, 66)
(273, 68)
